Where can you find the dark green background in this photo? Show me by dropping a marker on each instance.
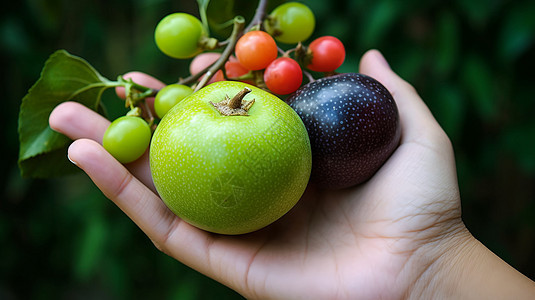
(471, 61)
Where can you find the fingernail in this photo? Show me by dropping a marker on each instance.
(382, 59)
(72, 161)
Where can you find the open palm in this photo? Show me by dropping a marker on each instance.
(365, 242)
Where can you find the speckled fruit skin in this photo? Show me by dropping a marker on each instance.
(353, 125)
(230, 174)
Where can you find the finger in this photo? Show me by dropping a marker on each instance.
(118, 184)
(141, 79)
(421, 172)
(168, 232)
(417, 121)
(143, 206)
(418, 126)
(79, 122)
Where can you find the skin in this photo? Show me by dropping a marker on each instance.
(203, 60)
(399, 235)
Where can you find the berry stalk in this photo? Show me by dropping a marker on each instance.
(259, 15)
(237, 30)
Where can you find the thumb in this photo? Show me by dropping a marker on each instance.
(417, 121)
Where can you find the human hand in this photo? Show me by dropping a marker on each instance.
(376, 240)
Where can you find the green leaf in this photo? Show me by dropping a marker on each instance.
(203, 6)
(64, 77)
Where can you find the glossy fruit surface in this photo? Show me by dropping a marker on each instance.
(230, 174)
(178, 35)
(328, 53)
(234, 69)
(291, 22)
(353, 125)
(169, 96)
(127, 138)
(283, 76)
(255, 50)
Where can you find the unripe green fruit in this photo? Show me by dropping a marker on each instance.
(230, 174)
(291, 22)
(169, 96)
(127, 138)
(178, 35)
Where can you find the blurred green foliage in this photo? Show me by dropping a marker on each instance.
(471, 61)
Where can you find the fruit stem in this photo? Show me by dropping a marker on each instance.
(235, 106)
(230, 43)
(208, 43)
(203, 6)
(239, 23)
(121, 81)
(235, 102)
(309, 76)
(259, 15)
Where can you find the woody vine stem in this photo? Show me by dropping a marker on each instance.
(208, 72)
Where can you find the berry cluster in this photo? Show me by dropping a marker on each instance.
(250, 54)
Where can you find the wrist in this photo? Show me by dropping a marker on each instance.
(441, 266)
(463, 268)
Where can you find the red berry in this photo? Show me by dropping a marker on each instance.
(328, 53)
(283, 76)
(255, 50)
(234, 69)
